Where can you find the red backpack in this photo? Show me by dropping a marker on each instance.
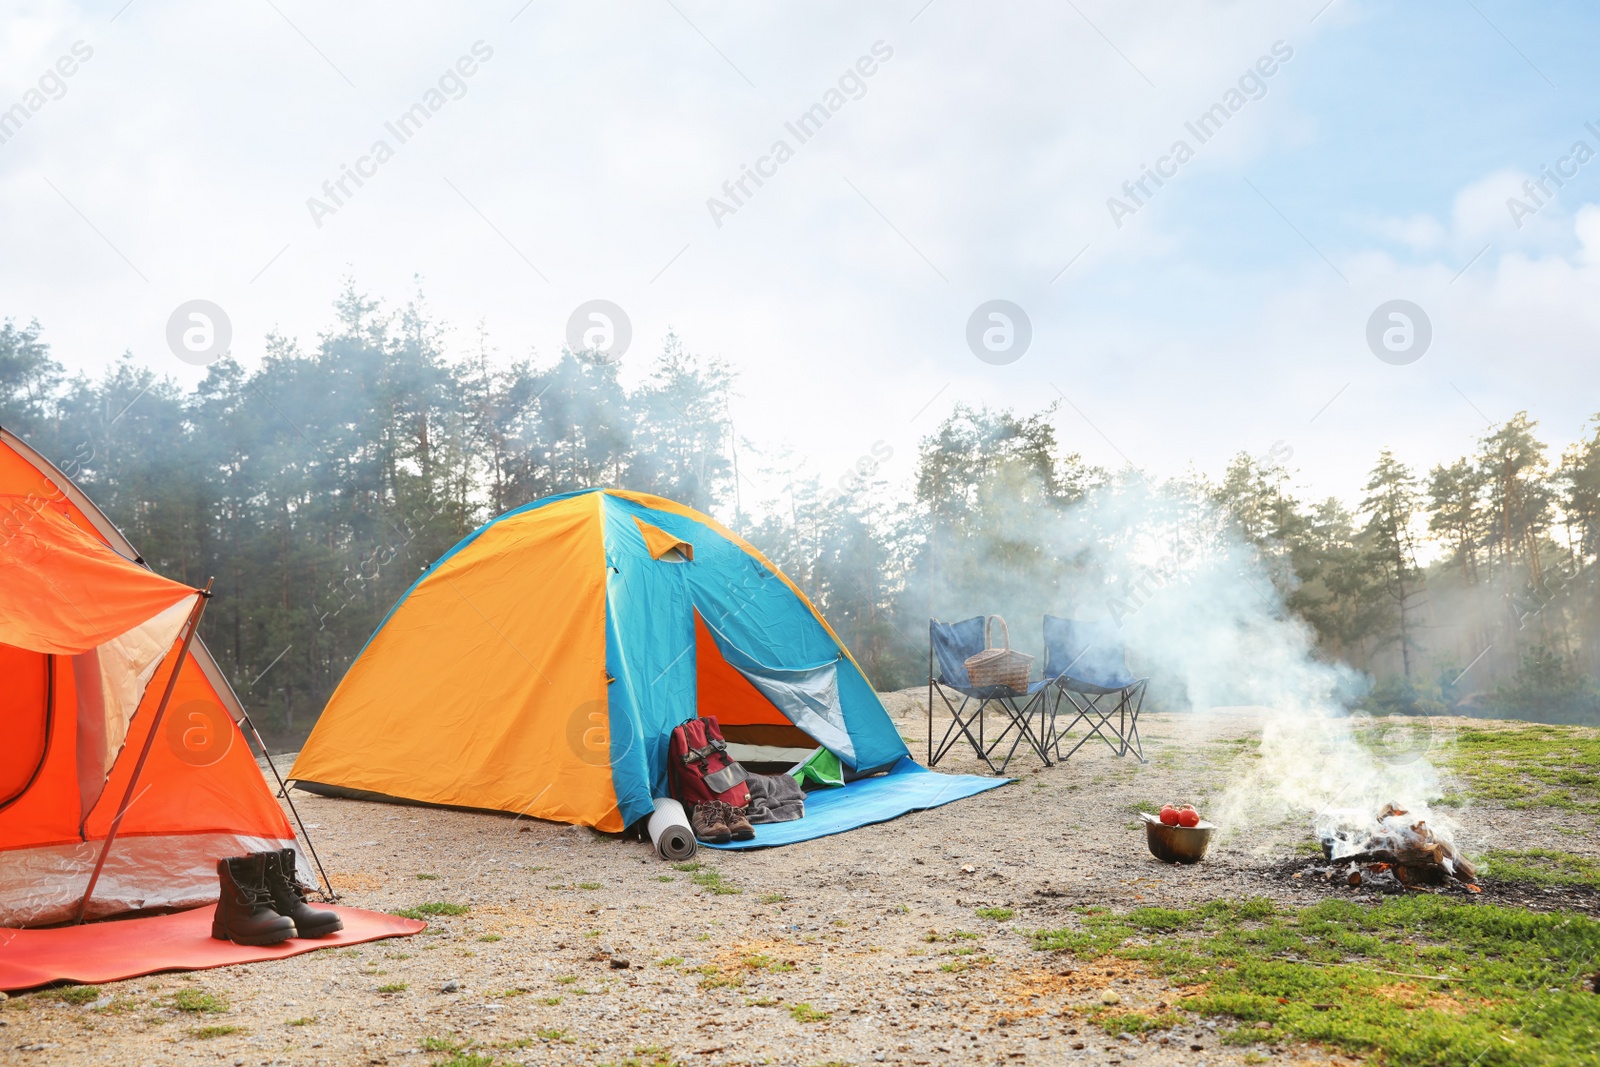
(699, 768)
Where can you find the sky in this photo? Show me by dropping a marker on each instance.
(957, 154)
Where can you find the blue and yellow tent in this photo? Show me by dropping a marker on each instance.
(540, 666)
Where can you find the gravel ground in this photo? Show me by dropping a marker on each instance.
(860, 948)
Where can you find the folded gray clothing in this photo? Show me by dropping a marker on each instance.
(775, 798)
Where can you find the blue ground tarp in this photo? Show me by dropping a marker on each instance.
(907, 787)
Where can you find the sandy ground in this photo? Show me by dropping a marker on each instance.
(861, 928)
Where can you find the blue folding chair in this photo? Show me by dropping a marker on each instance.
(949, 646)
(1085, 664)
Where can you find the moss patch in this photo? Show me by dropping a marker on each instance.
(1415, 980)
(434, 907)
(1542, 866)
(1531, 766)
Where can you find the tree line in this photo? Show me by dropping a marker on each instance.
(317, 485)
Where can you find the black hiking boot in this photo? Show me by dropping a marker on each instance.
(289, 897)
(245, 914)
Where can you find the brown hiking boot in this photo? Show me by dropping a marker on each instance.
(738, 822)
(709, 825)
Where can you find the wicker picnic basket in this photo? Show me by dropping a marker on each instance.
(999, 666)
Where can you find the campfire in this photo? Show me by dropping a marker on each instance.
(1391, 853)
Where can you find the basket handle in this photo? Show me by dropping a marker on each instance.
(1005, 631)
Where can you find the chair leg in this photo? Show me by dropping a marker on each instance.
(1020, 721)
(961, 724)
(1135, 693)
(1098, 721)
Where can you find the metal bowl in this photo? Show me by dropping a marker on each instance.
(1177, 844)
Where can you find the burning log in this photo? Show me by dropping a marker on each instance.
(1394, 847)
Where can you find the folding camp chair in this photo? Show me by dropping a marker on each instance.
(949, 646)
(1085, 664)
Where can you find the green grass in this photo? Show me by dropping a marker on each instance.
(304, 1020)
(436, 907)
(690, 865)
(805, 1013)
(205, 1032)
(669, 961)
(1542, 866)
(490, 937)
(712, 879)
(760, 962)
(646, 1056)
(771, 898)
(394, 987)
(467, 1059)
(550, 1033)
(1414, 980)
(665, 878)
(440, 1044)
(966, 962)
(1532, 766)
(999, 915)
(427, 877)
(589, 885)
(198, 1000)
(72, 994)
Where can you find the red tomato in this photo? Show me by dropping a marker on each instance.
(1188, 817)
(1169, 815)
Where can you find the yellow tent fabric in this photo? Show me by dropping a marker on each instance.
(659, 542)
(531, 625)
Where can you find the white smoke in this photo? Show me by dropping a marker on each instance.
(1198, 611)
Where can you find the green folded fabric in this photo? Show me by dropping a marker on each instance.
(821, 768)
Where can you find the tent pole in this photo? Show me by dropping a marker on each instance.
(283, 791)
(150, 738)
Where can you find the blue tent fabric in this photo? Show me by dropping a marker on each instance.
(907, 787)
(751, 612)
(1086, 656)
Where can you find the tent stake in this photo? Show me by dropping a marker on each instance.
(283, 791)
(150, 739)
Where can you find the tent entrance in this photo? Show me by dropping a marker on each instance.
(786, 713)
(757, 732)
(31, 713)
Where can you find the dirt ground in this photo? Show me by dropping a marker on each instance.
(846, 950)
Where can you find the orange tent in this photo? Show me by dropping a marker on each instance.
(89, 639)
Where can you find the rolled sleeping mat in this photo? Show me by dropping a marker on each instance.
(670, 832)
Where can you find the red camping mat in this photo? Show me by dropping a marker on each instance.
(182, 941)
